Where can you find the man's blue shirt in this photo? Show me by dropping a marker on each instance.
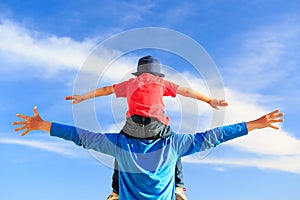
(146, 167)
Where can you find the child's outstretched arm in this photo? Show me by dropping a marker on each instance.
(188, 92)
(104, 91)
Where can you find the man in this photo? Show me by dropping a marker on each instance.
(146, 167)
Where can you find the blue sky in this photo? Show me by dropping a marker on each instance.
(255, 46)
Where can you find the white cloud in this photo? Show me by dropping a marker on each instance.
(266, 148)
(262, 148)
(22, 50)
(281, 163)
(54, 147)
(42, 50)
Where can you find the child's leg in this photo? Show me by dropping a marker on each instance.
(178, 174)
(145, 127)
(115, 178)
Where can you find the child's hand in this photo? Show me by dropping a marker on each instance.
(215, 103)
(75, 99)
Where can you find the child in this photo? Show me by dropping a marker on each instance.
(145, 117)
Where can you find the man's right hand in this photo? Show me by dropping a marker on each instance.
(266, 121)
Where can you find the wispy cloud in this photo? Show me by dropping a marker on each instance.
(134, 11)
(265, 55)
(282, 163)
(54, 147)
(177, 13)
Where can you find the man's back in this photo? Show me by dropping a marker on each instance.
(143, 163)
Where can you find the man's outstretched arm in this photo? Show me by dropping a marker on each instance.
(105, 143)
(209, 139)
(37, 123)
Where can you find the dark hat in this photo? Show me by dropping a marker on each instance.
(148, 64)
